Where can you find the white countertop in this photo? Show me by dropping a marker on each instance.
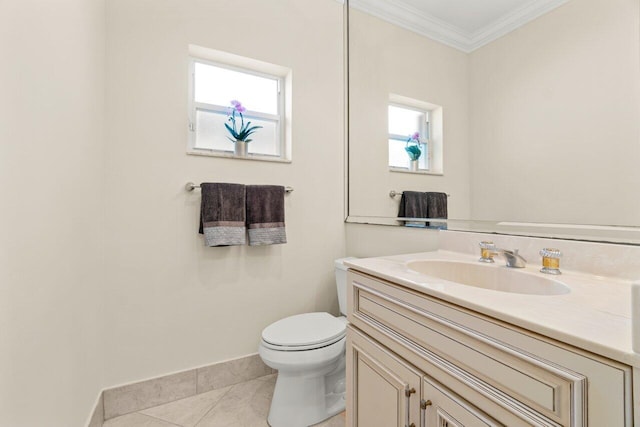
(594, 316)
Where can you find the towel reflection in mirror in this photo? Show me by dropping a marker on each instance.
(417, 204)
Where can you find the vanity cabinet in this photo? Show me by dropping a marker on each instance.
(388, 391)
(414, 360)
(387, 388)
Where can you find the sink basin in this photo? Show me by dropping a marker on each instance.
(490, 276)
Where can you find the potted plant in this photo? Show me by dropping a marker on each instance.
(240, 137)
(413, 150)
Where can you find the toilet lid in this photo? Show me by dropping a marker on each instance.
(304, 330)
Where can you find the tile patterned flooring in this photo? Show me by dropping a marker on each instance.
(242, 405)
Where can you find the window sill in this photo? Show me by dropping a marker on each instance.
(230, 155)
(418, 172)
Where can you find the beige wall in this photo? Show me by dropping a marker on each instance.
(172, 303)
(51, 221)
(103, 277)
(386, 59)
(554, 110)
(368, 240)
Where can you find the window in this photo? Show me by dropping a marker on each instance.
(213, 87)
(406, 117)
(403, 123)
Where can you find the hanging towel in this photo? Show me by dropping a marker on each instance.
(265, 214)
(416, 204)
(436, 205)
(413, 204)
(437, 208)
(222, 214)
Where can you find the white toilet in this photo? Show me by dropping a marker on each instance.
(308, 350)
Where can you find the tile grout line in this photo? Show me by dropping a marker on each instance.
(159, 419)
(229, 387)
(213, 406)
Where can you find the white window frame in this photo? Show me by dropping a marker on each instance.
(280, 118)
(424, 135)
(434, 132)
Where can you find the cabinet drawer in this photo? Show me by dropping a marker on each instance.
(518, 381)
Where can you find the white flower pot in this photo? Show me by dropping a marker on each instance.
(413, 165)
(240, 149)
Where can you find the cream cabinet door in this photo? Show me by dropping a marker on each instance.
(443, 408)
(384, 391)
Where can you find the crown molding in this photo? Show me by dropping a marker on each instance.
(512, 21)
(405, 16)
(399, 13)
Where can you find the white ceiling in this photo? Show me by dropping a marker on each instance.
(463, 24)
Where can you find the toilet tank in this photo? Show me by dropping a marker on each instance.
(341, 283)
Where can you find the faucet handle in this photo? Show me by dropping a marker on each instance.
(486, 244)
(551, 260)
(487, 251)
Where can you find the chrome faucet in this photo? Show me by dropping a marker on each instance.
(512, 259)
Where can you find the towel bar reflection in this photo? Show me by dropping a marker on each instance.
(190, 186)
(394, 193)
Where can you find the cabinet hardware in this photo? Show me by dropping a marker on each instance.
(423, 408)
(408, 392)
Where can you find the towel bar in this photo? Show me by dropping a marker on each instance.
(394, 193)
(190, 186)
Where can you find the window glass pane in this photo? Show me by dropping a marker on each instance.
(403, 121)
(219, 86)
(398, 157)
(212, 135)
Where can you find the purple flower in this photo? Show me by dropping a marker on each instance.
(237, 106)
(416, 136)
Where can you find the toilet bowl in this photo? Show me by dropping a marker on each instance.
(308, 351)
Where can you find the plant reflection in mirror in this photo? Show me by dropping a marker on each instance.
(413, 151)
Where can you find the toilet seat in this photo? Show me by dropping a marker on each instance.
(306, 331)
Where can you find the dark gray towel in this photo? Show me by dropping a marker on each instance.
(437, 205)
(417, 204)
(413, 204)
(265, 214)
(222, 214)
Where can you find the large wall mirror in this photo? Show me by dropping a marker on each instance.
(528, 110)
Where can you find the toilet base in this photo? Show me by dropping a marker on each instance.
(300, 401)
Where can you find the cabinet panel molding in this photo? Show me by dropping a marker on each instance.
(446, 409)
(385, 390)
